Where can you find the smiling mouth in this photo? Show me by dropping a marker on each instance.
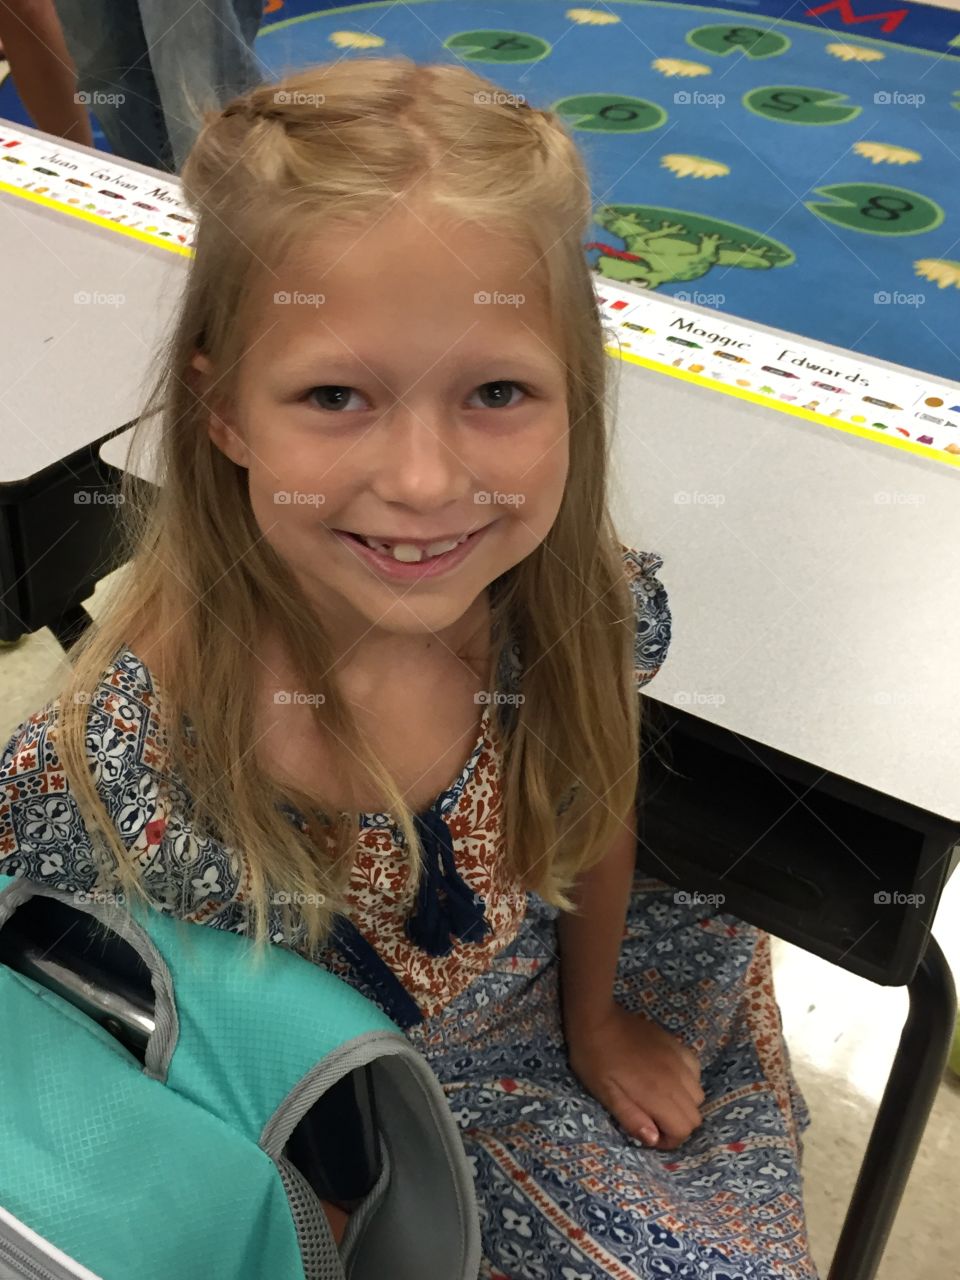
(408, 552)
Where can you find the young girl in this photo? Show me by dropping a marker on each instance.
(369, 688)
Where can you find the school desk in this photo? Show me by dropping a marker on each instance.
(800, 757)
(85, 311)
(799, 741)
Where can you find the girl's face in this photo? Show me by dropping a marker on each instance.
(403, 384)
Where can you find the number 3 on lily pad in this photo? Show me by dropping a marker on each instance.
(753, 42)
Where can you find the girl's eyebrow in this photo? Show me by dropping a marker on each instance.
(308, 364)
(313, 364)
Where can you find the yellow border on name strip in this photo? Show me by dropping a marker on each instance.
(144, 236)
(865, 433)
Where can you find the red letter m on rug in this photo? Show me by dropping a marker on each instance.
(892, 17)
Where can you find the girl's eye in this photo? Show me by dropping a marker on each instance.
(335, 399)
(500, 393)
(331, 397)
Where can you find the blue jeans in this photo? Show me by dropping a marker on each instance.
(150, 67)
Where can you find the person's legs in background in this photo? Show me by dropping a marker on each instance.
(110, 51)
(202, 56)
(41, 68)
(151, 68)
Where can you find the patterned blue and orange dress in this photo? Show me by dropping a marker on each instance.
(564, 1192)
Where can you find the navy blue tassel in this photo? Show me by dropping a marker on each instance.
(457, 911)
(464, 909)
(429, 926)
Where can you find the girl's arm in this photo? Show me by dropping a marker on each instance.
(646, 1078)
(590, 939)
(338, 1219)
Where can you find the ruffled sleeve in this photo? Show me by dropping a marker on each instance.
(42, 835)
(42, 832)
(652, 638)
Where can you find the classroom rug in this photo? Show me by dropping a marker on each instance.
(793, 164)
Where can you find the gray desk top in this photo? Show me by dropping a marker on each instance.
(813, 579)
(813, 576)
(72, 370)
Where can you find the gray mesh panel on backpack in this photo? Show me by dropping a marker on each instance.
(321, 1261)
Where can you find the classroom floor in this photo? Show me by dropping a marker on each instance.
(842, 1033)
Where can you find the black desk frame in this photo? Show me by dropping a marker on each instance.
(58, 538)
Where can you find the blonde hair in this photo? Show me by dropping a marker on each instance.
(328, 146)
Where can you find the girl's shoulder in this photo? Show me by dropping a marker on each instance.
(653, 624)
(41, 832)
(43, 835)
(121, 727)
(653, 615)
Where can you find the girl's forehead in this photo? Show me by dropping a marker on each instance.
(408, 239)
(297, 337)
(352, 299)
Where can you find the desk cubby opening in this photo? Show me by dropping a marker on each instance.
(814, 867)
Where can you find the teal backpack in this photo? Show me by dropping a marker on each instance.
(193, 1133)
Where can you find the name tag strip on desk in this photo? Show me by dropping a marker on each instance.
(908, 411)
(145, 206)
(905, 411)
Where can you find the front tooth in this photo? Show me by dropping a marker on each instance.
(407, 552)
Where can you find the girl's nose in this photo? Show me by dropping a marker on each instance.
(422, 462)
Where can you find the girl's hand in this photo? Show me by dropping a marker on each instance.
(644, 1076)
(338, 1219)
